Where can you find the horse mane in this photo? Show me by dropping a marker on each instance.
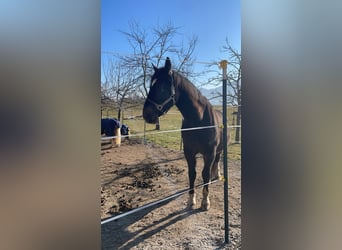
(191, 89)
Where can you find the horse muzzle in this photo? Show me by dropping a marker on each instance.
(150, 114)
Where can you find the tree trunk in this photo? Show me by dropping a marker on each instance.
(119, 114)
(158, 124)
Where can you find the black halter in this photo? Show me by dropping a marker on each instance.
(160, 107)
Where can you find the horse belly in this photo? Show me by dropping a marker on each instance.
(199, 141)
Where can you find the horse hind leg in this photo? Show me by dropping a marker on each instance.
(215, 171)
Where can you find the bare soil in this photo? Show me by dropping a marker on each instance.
(135, 174)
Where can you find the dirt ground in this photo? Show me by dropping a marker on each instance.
(135, 174)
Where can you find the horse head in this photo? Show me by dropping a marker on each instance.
(161, 96)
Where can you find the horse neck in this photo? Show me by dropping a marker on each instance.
(190, 102)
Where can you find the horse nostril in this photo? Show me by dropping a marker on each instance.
(148, 115)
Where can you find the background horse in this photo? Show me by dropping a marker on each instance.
(170, 88)
(111, 127)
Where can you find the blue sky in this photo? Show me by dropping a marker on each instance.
(213, 21)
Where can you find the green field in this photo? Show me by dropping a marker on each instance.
(171, 121)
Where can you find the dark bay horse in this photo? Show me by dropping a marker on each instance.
(170, 88)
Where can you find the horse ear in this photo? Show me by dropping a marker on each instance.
(168, 64)
(154, 67)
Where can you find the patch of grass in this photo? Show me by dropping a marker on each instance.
(171, 121)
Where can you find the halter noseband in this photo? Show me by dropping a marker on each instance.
(172, 98)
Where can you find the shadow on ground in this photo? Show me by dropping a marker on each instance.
(115, 234)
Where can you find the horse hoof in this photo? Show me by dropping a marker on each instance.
(205, 205)
(192, 201)
(191, 206)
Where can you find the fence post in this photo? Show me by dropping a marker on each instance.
(144, 139)
(223, 65)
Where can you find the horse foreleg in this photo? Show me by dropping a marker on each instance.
(208, 162)
(191, 160)
(192, 201)
(205, 201)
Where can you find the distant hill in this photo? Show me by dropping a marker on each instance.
(214, 95)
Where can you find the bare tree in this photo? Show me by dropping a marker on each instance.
(234, 83)
(105, 99)
(119, 84)
(151, 46)
(185, 57)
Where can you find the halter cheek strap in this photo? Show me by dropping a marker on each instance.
(172, 98)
